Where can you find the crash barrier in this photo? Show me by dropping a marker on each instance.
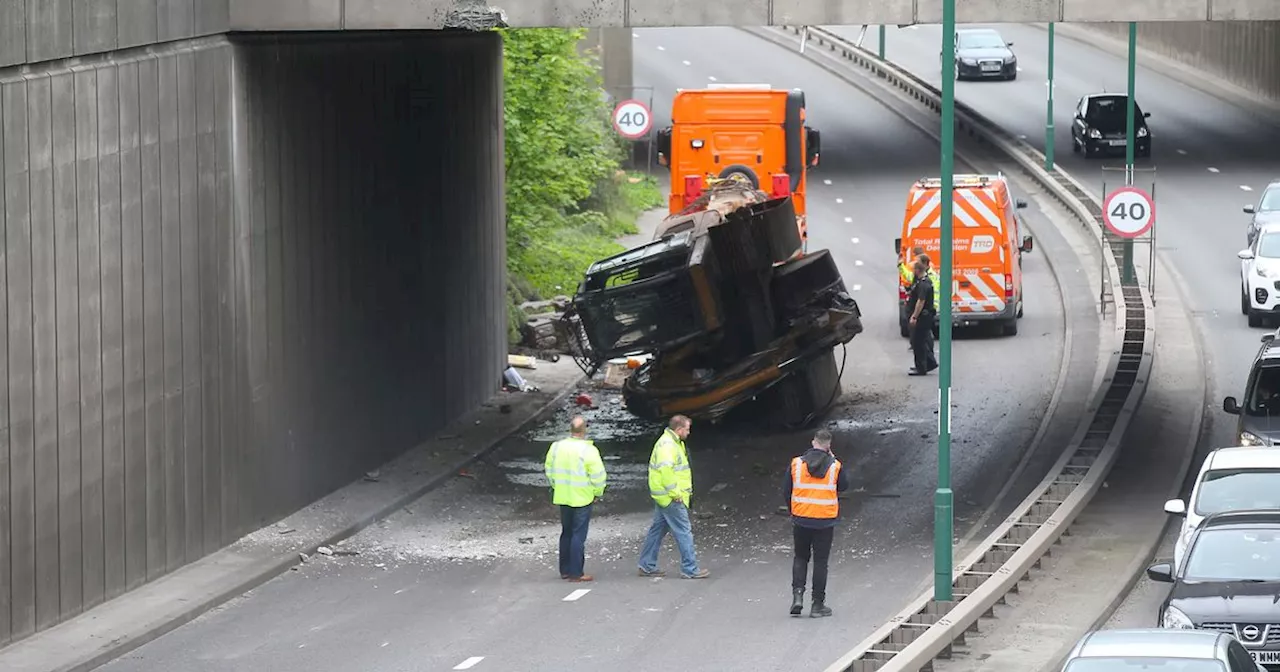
(927, 629)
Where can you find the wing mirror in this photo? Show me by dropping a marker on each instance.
(1027, 245)
(1019, 204)
(897, 246)
(1008, 44)
(1161, 571)
(1176, 507)
(813, 146)
(1231, 406)
(664, 146)
(1248, 210)
(1245, 254)
(1146, 115)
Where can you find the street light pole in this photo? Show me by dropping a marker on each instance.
(943, 506)
(1048, 115)
(882, 41)
(1127, 277)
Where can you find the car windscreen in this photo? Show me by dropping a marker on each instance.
(1264, 398)
(1237, 489)
(1269, 246)
(981, 41)
(1270, 200)
(1133, 663)
(1250, 554)
(1110, 114)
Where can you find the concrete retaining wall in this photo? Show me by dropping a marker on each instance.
(1243, 53)
(235, 276)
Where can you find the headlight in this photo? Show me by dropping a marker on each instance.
(1173, 618)
(1095, 133)
(1142, 132)
(969, 61)
(1251, 439)
(1263, 272)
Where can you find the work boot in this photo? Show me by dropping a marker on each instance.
(797, 601)
(819, 609)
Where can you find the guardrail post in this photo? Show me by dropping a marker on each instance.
(1127, 272)
(942, 508)
(1048, 118)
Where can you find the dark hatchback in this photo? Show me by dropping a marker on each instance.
(982, 54)
(1101, 123)
(1229, 581)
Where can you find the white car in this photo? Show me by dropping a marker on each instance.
(1231, 479)
(1260, 275)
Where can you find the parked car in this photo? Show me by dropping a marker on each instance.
(1267, 211)
(981, 53)
(1101, 123)
(1229, 582)
(1260, 275)
(1159, 650)
(1230, 479)
(1259, 418)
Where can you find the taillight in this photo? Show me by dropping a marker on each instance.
(781, 185)
(902, 292)
(1008, 287)
(692, 188)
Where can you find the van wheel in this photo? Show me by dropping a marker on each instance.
(1019, 311)
(1011, 327)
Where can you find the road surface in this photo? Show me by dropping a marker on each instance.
(468, 572)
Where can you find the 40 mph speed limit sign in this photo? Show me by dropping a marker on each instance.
(1129, 212)
(631, 118)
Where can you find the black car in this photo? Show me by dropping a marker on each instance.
(982, 54)
(1229, 581)
(1100, 124)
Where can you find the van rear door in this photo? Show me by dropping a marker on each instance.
(981, 282)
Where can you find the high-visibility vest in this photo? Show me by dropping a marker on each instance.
(937, 289)
(814, 497)
(575, 471)
(904, 272)
(669, 472)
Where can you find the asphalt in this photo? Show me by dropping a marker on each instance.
(1211, 152)
(468, 571)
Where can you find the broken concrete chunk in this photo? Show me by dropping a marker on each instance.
(324, 550)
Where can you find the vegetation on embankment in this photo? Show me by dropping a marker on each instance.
(568, 199)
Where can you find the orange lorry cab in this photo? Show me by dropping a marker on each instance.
(750, 129)
(986, 280)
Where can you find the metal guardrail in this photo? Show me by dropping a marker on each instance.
(927, 629)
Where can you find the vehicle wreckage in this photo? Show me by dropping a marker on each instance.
(731, 309)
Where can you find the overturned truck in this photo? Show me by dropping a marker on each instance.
(730, 309)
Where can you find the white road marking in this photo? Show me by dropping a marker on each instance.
(385, 643)
(1182, 152)
(839, 200)
(857, 288)
(1022, 137)
(469, 663)
(711, 78)
(1019, 69)
(576, 595)
(1246, 187)
(855, 240)
(1214, 170)
(849, 220)
(826, 181)
(661, 48)
(857, 263)
(686, 62)
(635, 34)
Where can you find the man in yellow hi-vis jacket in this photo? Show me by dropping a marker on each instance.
(577, 478)
(671, 487)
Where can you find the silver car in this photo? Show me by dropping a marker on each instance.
(1159, 650)
(1265, 212)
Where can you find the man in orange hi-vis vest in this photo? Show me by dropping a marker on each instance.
(811, 486)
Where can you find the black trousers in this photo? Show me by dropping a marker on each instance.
(816, 544)
(922, 345)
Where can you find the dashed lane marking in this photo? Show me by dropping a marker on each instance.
(661, 48)
(839, 200)
(468, 663)
(1214, 170)
(826, 181)
(857, 263)
(1182, 152)
(849, 220)
(635, 34)
(1246, 187)
(686, 62)
(576, 595)
(711, 78)
(857, 288)
(855, 240)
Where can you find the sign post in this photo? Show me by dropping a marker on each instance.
(943, 534)
(1126, 276)
(631, 119)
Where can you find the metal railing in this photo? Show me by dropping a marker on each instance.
(927, 629)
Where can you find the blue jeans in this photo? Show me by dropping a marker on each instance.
(574, 521)
(675, 517)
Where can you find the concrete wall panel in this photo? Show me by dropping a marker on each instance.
(208, 326)
(567, 13)
(285, 14)
(13, 32)
(94, 27)
(1246, 54)
(840, 12)
(49, 29)
(1110, 10)
(1244, 10)
(136, 22)
(679, 13)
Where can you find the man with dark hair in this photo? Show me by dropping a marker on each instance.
(811, 489)
(671, 487)
(920, 305)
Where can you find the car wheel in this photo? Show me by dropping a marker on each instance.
(1075, 145)
(1244, 301)
(1012, 76)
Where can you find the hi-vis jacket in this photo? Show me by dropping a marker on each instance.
(575, 471)
(811, 486)
(908, 276)
(669, 472)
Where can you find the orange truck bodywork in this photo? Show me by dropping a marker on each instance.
(986, 278)
(752, 130)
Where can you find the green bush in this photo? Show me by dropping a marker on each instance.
(567, 199)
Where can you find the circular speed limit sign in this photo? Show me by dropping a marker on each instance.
(1129, 212)
(631, 118)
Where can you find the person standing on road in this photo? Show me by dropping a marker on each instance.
(671, 487)
(920, 304)
(811, 489)
(577, 478)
